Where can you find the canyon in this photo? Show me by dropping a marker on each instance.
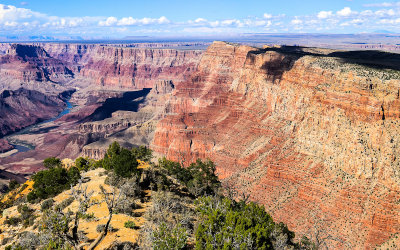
(312, 134)
(43, 76)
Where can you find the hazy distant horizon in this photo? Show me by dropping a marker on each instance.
(117, 19)
(389, 42)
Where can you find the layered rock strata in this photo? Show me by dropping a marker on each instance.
(313, 135)
(108, 66)
(139, 68)
(19, 109)
(127, 127)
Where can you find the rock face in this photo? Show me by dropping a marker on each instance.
(19, 109)
(129, 128)
(139, 68)
(28, 63)
(109, 66)
(5, 146)
(314, 135)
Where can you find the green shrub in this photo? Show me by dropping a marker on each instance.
(73, 175)
(169, 238)
(142, 153)
(227, 224)
(13, 185)
(199, 177)
(47, 204)
(82, 164)
(27, 216)
(88, 216)
(52, 162)
(120, 160)
(204, 180)
(65, 203)
(51, 182)
(13, 221)
(130, 224)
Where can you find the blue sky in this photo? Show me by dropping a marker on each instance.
(119, 18)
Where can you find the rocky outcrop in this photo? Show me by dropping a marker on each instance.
(313, 135)
(163, 87)
(5, 146)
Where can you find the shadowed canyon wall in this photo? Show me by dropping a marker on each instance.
(311, 134)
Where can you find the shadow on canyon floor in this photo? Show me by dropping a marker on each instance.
(129, 101)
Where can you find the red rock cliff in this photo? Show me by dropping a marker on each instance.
(139, 68)
(314, 136)
(106, 65)
(26, 63)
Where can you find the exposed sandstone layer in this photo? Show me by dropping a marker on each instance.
(313, 135)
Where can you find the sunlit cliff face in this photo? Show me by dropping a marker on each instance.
(313, 135)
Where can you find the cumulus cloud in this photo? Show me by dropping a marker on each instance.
(15, 20)
(129, 21)
(12, 13)
(110, 21)
(324, 14)
(345, 12)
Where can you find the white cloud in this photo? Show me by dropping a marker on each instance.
(14, 20)
(324, 14)
(12, 13)
(128, 21)
(267, 16)
(390, 21)
(345, 12)
(109, 21)
(384, 12)
(296, 21)
(200, 20)
(230, 22)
